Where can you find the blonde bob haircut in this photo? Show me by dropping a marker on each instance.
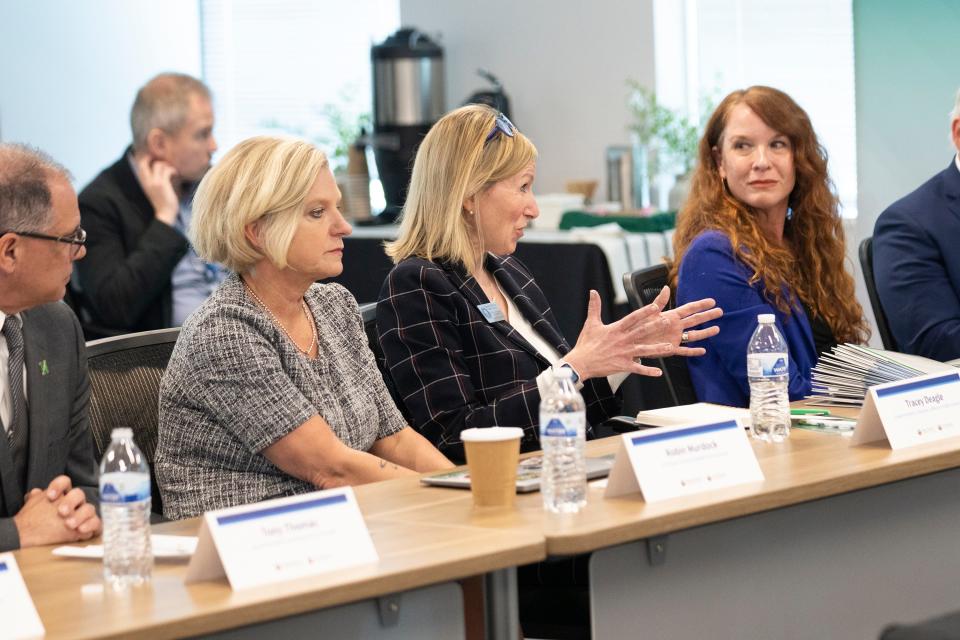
(455, 161)
(262, 181)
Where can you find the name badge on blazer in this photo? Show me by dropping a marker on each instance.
(491, 312)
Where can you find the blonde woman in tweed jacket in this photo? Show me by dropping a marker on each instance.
(271, 389)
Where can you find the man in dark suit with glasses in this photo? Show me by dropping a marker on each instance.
(48, 474)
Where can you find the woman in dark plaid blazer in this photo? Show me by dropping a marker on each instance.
(468, 336)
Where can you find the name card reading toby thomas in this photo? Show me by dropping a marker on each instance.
(282, 539)
(670, 462)
(19, 616)
(911, 412)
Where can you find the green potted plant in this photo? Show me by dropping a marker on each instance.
(665, 140)
(339, 130)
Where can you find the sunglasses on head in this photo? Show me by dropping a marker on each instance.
(502, 125)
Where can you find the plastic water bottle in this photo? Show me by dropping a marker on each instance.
(125, 509)
(563, 435)
(768, 372)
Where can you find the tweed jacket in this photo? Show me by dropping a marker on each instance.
(236, 384)
(455, 370)
(58, 392)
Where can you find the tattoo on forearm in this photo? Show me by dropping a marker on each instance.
(383, 464)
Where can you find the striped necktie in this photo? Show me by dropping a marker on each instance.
(17, 431)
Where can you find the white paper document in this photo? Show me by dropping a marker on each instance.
(669, 462)
(18, 616)
(915, 411)
(164, 547)
(696, 413)
(282, 539)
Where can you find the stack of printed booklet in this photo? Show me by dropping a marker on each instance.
(841, 378)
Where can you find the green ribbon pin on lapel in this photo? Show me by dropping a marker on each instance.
(44, 369)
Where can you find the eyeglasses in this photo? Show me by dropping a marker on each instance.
(501, 125)
(78, 238)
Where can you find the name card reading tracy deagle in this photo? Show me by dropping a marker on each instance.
(911, 412)
(669, 462)
(282, 539)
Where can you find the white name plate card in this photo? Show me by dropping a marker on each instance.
(911, 412)
(669, 462)
(19, 616)
(282, 539)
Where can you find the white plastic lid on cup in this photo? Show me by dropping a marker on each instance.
(491, 434)
(766, 318)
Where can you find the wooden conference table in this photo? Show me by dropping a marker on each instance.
(836, 542)
(393, 599)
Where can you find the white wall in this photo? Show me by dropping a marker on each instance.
(907, 55)
(564, 66)
(70, 71)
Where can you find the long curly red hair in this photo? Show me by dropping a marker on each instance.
(811, 261)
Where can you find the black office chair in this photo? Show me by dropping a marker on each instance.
(883, 325)
(642, 287)
(124, 391)
(368, 312)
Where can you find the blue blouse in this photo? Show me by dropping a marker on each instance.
(711, 270)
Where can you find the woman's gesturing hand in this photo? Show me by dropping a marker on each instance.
(675, 326)
(605, 349)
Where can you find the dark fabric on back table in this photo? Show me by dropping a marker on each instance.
(565, 273)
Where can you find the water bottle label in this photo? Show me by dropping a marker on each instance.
(766, 364)
(563, 425)
(116, 488)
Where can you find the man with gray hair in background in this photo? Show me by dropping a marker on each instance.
(48, 479)
(917, 265)
(140, 272)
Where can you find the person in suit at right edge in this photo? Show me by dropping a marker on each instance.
(917, 265)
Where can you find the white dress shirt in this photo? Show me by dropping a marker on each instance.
(6, 402)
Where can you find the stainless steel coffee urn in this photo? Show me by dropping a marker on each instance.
(407, 100)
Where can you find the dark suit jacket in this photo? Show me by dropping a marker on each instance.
(126, 275)
(60, 441)
(453, 369)
(916, 263)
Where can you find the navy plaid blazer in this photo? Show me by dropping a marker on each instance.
(454, 370)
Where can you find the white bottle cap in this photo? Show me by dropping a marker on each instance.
(491, 434)
(766, 318)
(121, 432)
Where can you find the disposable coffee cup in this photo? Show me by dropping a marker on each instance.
(492, 457)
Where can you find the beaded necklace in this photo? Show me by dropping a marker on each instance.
(306, 313)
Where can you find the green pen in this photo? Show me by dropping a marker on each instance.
(809, 412)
